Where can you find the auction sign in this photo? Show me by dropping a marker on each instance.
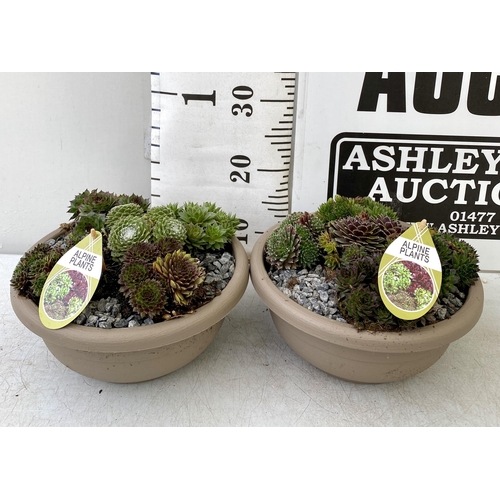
(426, 144)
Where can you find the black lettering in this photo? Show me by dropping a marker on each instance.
(449, 95)
(393, 86)
(477, 100)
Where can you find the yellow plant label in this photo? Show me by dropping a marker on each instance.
(409, 276)
(72, 282)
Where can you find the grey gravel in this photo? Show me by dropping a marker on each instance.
(310, 289)
(219, 270)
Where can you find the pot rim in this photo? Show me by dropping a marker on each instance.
(143, 337)
(345, 334)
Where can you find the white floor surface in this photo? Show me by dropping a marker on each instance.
(249, 377)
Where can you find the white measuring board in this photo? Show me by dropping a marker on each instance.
(224, 138)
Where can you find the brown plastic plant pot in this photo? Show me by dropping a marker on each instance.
(127, 355)
(359, 356)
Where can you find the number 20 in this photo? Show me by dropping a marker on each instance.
(240, 161)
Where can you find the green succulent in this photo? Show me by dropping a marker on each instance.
(208, 226)
(120, 211)
(216, 236)
(353, 252)
(126, 232)
(358, 296)
(361, 306)
(308, 249)
(199, 214)
(459, 263)
(312, 222)
(287, 248)
(383, 319)
(375, 208)
(341, 207)
(357, 270)
(84, 223)
(329, 250)
(168, 227)
(229, 222)
(283, 247)
(337, 208)
(159, 212)
(181, 273)
(466, 262)
(132, 274)
(195, 236)
(148, 298)
(38, 283)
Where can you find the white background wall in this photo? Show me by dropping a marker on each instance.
(62, 133)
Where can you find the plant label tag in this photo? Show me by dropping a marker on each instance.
(409, 276)
(72, 282)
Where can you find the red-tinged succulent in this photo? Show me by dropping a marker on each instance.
(149, 298)
(181, 273)
(360, 230)
(143, 251)
(168, 245)
(132, 274)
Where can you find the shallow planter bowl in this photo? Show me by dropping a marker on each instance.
(359, 356)
(127, 355)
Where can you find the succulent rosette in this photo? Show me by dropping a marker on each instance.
(182, 274)
(283, 247)
(125, 232)
(148, 298)
(168, 227)
(120, 211)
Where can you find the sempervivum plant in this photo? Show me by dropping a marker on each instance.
(168, 227)
(148, 298)
(125, 232)
(150, 265)
(118, 212)
(358, 230)
(132, 274)
(347, 237)
(282, 249)
(182, 274)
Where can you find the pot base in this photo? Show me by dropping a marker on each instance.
(135, 366)
(353, 365)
